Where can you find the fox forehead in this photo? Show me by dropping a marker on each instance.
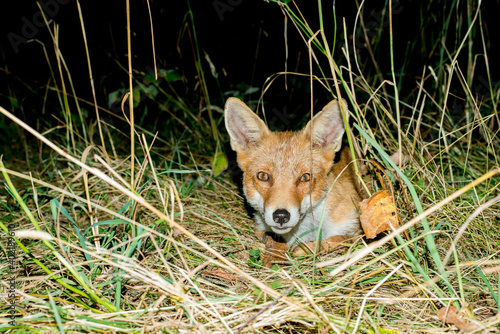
(284, 153)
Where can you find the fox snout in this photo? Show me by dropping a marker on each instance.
(281, 216)
(279, 219)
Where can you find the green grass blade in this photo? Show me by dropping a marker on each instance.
(57, 316)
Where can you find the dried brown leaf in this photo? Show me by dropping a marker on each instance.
(378, 213)
(219, 272)
(450, 316)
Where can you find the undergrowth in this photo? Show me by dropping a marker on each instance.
(166, 244)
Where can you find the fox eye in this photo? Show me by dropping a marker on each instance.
(263, 176)
(306, 177)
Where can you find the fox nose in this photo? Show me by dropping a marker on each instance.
(281, 216)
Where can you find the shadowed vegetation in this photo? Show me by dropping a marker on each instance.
(166, 245)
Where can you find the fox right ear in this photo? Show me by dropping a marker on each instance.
(245, 128)
(327, 127)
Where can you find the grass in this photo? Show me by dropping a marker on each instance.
(168, 246)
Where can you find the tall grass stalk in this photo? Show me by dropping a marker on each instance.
(130, 100)
(84, 34)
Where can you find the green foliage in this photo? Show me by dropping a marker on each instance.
(219, 163)
(254, 259)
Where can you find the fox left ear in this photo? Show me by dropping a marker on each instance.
(245, 128)
(328, 126)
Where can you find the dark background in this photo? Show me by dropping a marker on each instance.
(244, 40)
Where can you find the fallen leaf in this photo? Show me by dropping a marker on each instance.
(450, 316)
(219, 272)
(378, 213)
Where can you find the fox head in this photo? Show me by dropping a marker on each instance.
(285, 174)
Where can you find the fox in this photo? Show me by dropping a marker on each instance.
(292, 179)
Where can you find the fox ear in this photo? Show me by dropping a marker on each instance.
(245, 128)
(327, 126)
